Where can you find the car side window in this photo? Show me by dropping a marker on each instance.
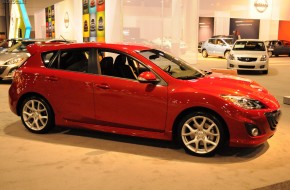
(211, 41)
(117, 64)
(47, 57)
(71, 60)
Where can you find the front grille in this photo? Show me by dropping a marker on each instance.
(247, 59)
(2, 69)
(273, 118)
(247, 66)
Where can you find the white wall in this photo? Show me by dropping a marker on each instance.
(39, 24)
(223, 10)
(113, 22)
(74, 30)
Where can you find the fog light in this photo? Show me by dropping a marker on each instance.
(231, 65)
(254, 132)
(262, 66)
(252, 129)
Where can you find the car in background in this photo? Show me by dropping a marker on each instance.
(278, 47)
(140, 91)
(217, 46)
(249, 54)
(7, 43)
(199, 46)
(14, 56)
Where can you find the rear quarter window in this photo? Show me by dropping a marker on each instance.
(47, 57)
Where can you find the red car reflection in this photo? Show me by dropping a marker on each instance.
(139, 91)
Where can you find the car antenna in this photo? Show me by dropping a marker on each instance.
(63, 38)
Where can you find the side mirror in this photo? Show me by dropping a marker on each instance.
(147, 77)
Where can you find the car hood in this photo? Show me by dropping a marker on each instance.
(219, 84)
(4, 57)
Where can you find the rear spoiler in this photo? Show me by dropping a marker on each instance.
(32, 48)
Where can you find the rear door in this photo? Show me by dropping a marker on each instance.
(70, 85)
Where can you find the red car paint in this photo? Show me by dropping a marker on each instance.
(130, 107)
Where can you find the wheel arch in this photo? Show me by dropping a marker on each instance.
(27, 95)
(193, 109)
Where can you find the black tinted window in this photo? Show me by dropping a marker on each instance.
(119, 65)
(71, 60)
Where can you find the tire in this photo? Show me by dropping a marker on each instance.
(204, 53)
(201, 134)
(226, 55)
(37, 115)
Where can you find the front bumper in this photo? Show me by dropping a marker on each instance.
(243, 65)
(266, 123)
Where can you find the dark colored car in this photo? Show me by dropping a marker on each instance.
(278, 47)
(139, 91)
(199, 46)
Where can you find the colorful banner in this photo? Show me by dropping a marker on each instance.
(94, 20)
(50, 22)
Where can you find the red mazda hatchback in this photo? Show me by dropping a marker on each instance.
(139, 91)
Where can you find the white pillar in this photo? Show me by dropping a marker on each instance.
(176, 20)
(114, 21)
(190, 15)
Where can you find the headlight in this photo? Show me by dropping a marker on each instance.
(263, 58)
(14, 61)
(231, 57)
(244, 102)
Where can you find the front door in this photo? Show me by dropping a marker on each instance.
(127, 103)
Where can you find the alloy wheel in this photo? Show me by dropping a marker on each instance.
(200, 135)
(35, 115)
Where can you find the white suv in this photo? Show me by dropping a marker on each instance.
(249, 54)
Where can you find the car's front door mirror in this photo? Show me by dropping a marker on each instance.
(148, 77)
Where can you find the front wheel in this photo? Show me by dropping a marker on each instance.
(201, 134)
(37, 115)
(227, 54)
(204, 53)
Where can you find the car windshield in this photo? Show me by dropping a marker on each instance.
(175, 67)
(249, 46)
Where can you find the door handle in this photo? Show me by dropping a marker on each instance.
(51, 78)
(103, 86)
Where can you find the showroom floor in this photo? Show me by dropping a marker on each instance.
(75, 159)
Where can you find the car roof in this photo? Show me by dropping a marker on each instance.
(254, 40)
(34, 48)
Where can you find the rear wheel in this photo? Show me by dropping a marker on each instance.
(204, 53)
(37, 115)
(201, 134)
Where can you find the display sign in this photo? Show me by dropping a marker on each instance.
(50, 22)
(94, 20)
(244, 28)
(205, 28)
